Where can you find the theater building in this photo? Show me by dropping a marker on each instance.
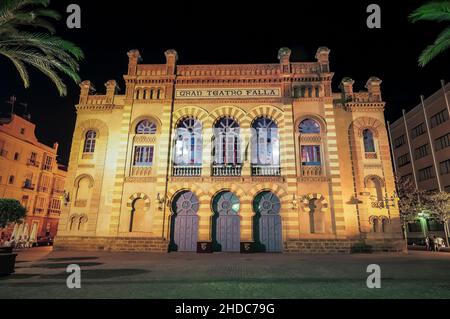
(261, 157)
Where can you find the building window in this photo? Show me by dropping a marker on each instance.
(434, 225)
(188, 144)
(11, 180)
(369, 144)
(33, 158)
(265, 142)
(310, 155)
(442, 142)
(384, 223)
(418, 130)
(47, 163)
(309, 126)
(375, 225)
(146, 127)
(422, 151)
(426, 173)
(227, 142)
(439, 118)
(16, 156)
(399, 141)
(22, 131)
(403, 160)
(445, 167)
(415, 227)
(89, 142)
(143, 156)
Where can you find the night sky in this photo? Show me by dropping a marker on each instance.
(222, 32)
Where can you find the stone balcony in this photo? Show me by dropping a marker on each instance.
(266, 170)
(187, 171)
(311, 171)
(226, 170)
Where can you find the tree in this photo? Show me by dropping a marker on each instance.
(439, 208)
(411, 203)
(437, 11)
(11, 211)
(50, 54)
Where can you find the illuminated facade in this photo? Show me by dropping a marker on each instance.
(29, 172)
(227, 157)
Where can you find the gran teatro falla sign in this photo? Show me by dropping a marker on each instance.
(228, 93)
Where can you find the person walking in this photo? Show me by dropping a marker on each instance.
(427, 243)
(435, 243)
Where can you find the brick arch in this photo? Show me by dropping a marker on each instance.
(174, 190)
(232, 111)
(270, 111)
(310, 196)
(80, 177)
(362, 123)
(316, 117)
(140, 118)
(278, 190)
(93, 124)
(380, 179)
(136, 196)
(237, 190)
(192, 111)
(372, 218)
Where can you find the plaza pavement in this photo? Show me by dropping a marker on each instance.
(40, 273)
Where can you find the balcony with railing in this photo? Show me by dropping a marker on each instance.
(33, 163)
(311, 170)
(186, 171)
(38, 210)
(57, 191)
(266, 170)
(3, 153)
(28, 185)
(43, 189)
(226, 170)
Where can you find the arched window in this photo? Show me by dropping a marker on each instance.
(309, 126)
(227, 142)
(188, 144)
(265, 142)
(89, 142)
(146, 127)
(369, 144)
(375, 224)
(384, 223)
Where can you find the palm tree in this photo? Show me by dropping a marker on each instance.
(438, 11)
(49, 54)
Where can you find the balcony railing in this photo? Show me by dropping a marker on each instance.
(187, 171)
(43, 189)
(38, 210)
(266, 170)
(54, 211)
(371, 155)
(27, 185)
(226, 170)
(311, 171)
(34, 163)
(57, 191)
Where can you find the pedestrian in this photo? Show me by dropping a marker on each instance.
(435, 243)
(440, 243)
(427, 243)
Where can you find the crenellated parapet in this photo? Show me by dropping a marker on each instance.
(369, 100)
(90, 101)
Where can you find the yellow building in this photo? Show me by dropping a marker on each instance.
(227, 157)
(29, 172)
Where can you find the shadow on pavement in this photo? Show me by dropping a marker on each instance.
(71, 258)
(64, 265)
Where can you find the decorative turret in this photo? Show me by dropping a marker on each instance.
(373, 87)
(86, 88)
(322, 56)
(284, 55)
(134, 57)
(171, 61)
(111, 90)
(346, 87)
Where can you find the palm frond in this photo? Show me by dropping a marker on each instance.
(433, 11)
(441, 44)
(19, 66)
